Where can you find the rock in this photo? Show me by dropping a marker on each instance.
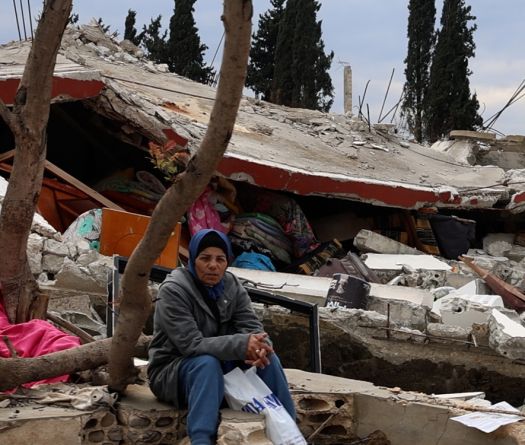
(506, 336)
(496, 244)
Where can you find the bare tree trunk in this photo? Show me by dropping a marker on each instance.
(135, 302)
(15, 371)
(28, 122)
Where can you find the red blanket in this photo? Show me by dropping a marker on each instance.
(34, 338)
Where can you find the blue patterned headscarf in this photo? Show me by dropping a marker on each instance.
(216, 291)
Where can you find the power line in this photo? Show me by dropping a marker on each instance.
(23, 19)
(17, 22)
(30, 19)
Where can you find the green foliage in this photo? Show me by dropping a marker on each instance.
(450, 103)
(73, 19)
(421, 40)
(264, 44)
(130, 32)
(184, 48)
(301, 76)
(154, 42)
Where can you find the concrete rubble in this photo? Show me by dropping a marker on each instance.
(330, 410)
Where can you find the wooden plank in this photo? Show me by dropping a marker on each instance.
(7, 155)
(81, 186)
(72, 181)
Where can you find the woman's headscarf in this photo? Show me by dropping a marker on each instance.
(201, 240)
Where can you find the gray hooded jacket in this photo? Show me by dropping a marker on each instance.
(184, 326)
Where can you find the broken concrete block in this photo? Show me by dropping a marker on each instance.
(100, 268)
(474, 135)
(368, 241)
(74, 276)
(403, 312)
(516, 253)
(42, 227)
(83, 246)
(52, 263)
(55, 247)
(474, 287)
(496, 244)
(376, 261)
(424, 271)
(84, 322)
(465, 310)
(506, 336)
(483, 260)
(462, 151)
(35, 244)
(511, 273)
(409, 294)
(85, 259)
(238, 428)
(144, 419)
(448, 331)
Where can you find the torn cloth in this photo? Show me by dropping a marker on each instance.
(32, 339)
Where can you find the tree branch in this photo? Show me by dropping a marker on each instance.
(135, 302)
(16, 371)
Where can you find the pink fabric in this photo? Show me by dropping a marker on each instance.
(202, 214)
(34, 338)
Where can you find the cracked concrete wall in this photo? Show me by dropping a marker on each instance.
(353, 345)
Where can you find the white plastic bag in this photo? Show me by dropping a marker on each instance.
(245, 391)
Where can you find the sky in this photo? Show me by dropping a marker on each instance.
(369, 35)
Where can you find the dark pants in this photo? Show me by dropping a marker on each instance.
(202, 384)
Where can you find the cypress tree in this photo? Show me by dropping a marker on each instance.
(450, 103)
(421, 39)
(262, 53)
(185, 50)
(130, 32)
(155, 43)
(301, 76)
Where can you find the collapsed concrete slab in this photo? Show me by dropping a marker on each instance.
(368, 241)
(506, 336)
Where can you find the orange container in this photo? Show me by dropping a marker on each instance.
(121, 232)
